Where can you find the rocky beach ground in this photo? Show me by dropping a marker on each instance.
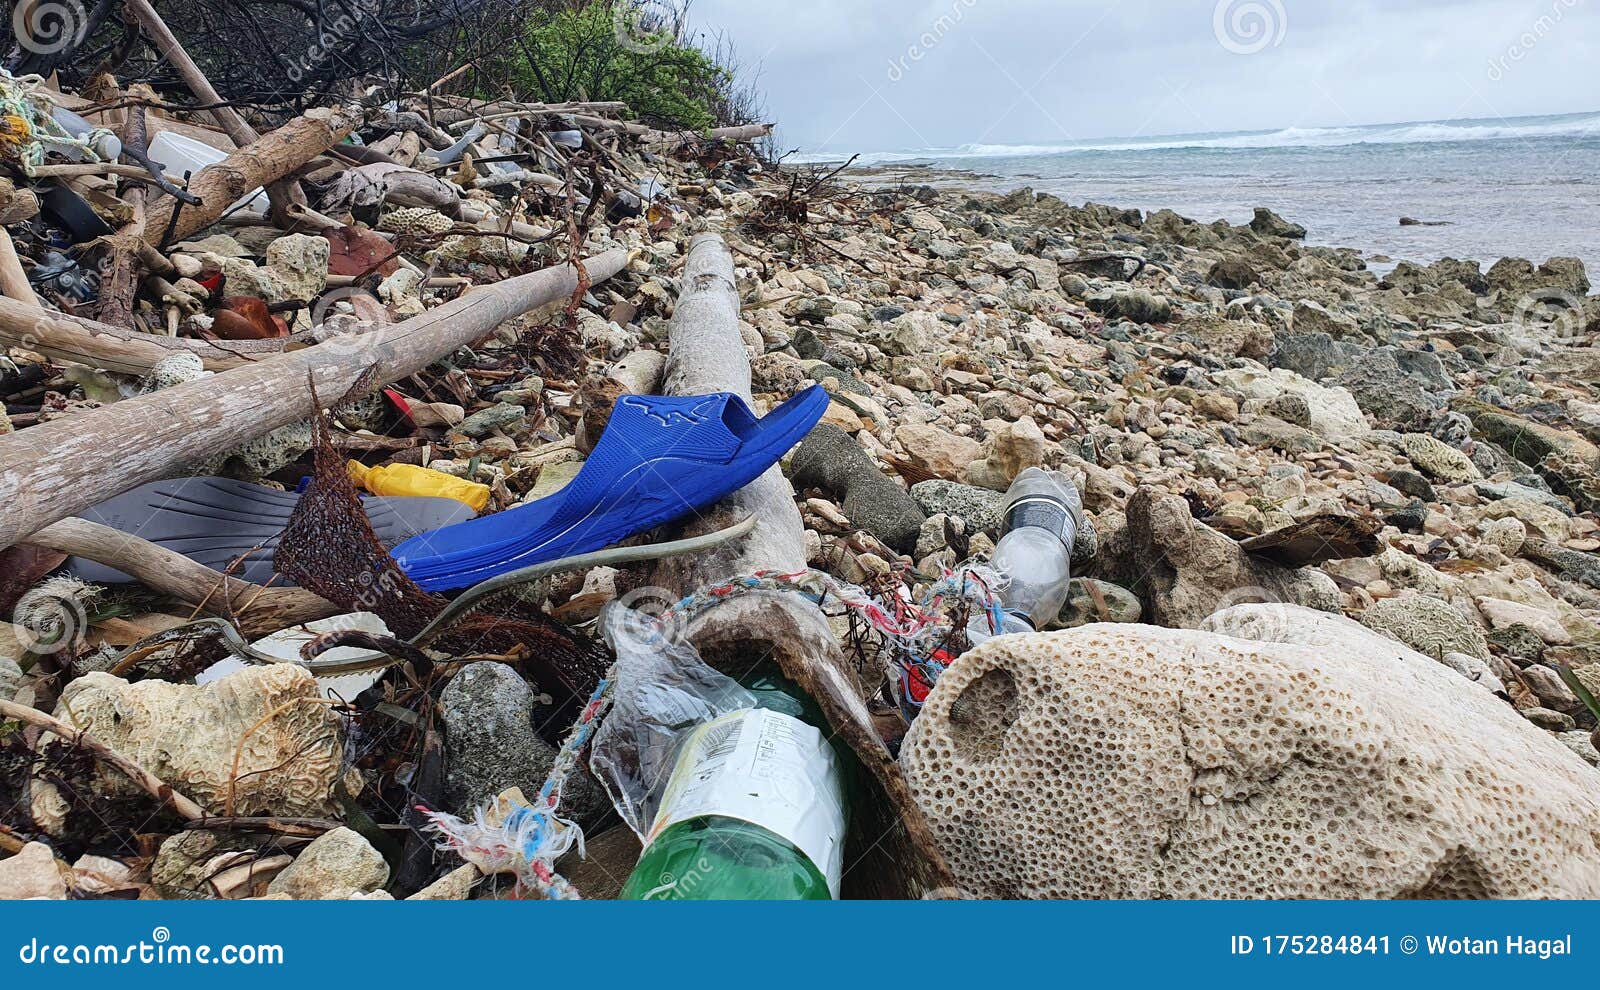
(1259, 428)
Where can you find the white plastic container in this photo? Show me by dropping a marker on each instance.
(285, 644)
(180, 154)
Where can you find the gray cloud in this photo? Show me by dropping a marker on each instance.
(847, 75)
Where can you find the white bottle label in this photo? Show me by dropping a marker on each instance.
(768, 769)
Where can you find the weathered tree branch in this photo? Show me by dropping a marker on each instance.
(57, 469)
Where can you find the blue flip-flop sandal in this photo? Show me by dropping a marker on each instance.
(659, 459)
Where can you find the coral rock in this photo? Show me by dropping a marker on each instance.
(1190, 570)
(272, 721)
(1011, 450)
(1427, 625)
(1139, 762)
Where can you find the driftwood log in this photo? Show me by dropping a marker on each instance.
(674, 139)
(60, 468)
(259, 610)
(890, 852)
(268, 160)
(283, 193)
(13, 280)
(77, 339)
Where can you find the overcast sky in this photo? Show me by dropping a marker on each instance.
(879, 75)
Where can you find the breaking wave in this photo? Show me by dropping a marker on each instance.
(1575, 126)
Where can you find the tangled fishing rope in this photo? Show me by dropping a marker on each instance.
(532, 837)
(29, 132)
(918, 634)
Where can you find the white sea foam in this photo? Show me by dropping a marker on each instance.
(1576, 126)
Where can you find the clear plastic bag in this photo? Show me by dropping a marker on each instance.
(664, 691)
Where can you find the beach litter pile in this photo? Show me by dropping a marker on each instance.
(434, 497)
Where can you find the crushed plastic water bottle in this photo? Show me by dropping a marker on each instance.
(1034, 556)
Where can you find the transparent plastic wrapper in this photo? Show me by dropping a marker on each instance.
(664, 691)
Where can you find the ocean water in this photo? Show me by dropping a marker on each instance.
(1523, 187)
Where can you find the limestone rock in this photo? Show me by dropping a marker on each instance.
(1314, 318)
(289, 745)
(301, 264)
(10, 677)
(1269, 224)
(1232, 273)
(1313, 356)
(1550, 524)
(1582, 744)
(979, 508)
(453, 886)
(1138, 305)
(831, 459)
(1012, 449)
(490, 745)
(1138, 762)
(500, 416)
(32, 875)
(1085, 597)
(776, 372)
(1190, 570)
(1507, 535)
(337, 865)
(944, 454)
(1574, 564)
(1400, 389)
(183, 865)
(1502, 614)
(1475, 669)
(1332, 412)
(911, 335)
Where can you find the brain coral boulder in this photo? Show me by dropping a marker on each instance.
(262, 736)
(1122, 761)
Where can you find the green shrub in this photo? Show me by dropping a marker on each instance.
(601, 50)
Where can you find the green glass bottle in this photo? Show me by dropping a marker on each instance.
(754, 810)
